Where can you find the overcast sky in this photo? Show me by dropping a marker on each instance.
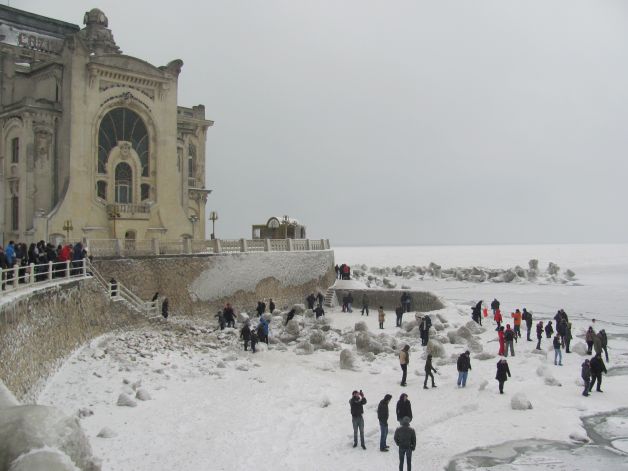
(400, 122)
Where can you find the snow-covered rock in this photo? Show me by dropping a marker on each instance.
(106, 432)
(361, 327)
(293, 327)
(317, 337)
(435, 348)
(143, 395)
(520, 402)
(347, 360)
(580, 348)
(125, 400)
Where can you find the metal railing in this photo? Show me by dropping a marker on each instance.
(146, 247)
(21, 277)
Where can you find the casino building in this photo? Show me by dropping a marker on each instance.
(92, 143)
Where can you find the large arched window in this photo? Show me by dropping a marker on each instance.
(122, 124)
(124, 183)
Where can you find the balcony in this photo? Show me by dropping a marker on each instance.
(128, 211)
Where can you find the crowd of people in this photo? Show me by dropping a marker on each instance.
(22, 256)
(343, 272)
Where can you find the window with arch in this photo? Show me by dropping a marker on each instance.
(122, 124)
(15, 213)
(124, 183)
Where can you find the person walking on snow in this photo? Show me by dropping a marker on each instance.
(527, 317)
(549, 330)
(597, 368)
(357, 403)
(588, 337)
(428, 371)
(497, 317)
(568, 337)
(464, 365)
(245, 334)
(365, 304)
(382, 416)
(604, 342)
(404, 360)
(381, 316)
(495, 305)
(399, 314)
(404, 408)
(539, 334)
(509, 337)
(503, 373)
(517, 321)
(558, 356)
(586, 376)
(502, 341)
(405, 438)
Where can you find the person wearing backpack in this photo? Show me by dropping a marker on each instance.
(509, 337)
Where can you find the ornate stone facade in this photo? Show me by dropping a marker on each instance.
(93, 136)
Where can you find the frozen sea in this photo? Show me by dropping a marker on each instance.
(214, 406)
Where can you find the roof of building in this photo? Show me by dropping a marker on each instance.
(36, 23)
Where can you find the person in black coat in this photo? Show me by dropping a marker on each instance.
(527, 317)
(549, 330)
(229, 315)
(597, 368)
(494, 305)
(539, 334)
(428, 371)
(404, 408)
(464, 365)
(245, 334)
(261, 307)
(586, 376)
(310, 301)
(357, 402)
(164, 308)
(290, 315)
(382, 416)
(319, 311)
(320, 298)
(476, 312)
(604, 340)
(271, 305)
(503, 372)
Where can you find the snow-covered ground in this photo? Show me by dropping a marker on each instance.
(213, 406)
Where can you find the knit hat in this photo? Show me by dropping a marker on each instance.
(405, 421)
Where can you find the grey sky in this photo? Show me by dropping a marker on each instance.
(400, 122)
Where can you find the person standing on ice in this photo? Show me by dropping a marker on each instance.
(290, 315)
(221, 320)
(495, 305)
(406, 299)
(254, 340)
(558, 355)
(502, 341)
(517, 317)
(245, 334)
(337, 269)
(271, 305)
(404, 408)
(319, 311)
(382, 416)
(503, 373)
(381, 316)
(428, 371)
(476, 312)
(405, 438)
(549, 330)
(357, 402)
(588, 337)
(586, 376)
(262, 330)
(597, 368)
(399, 314)
(539, 334)
(404, 360)
(310, 300)
(365, 304)
(497, 317)
(320, 298)
(229, 315)
(350, 302)
(568, 337)
(604, 342)
(597, 344)
(509, 337)
(464, 365)
(424, 331)
(527, 317)
(164, 308)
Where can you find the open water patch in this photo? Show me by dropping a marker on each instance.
(608, 449)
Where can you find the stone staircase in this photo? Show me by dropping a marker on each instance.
(330, 297)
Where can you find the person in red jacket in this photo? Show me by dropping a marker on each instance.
(500, 335)
(497, 317)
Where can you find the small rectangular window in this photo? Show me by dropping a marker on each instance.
(15, 150)
(15, 213)
(101, 189)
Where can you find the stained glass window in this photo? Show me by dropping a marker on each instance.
(122, 124)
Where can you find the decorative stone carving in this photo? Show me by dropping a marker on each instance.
(97, 36)
(125, 149)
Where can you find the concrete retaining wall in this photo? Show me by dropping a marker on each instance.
(422, 301)
(41, 328)
(200, 284)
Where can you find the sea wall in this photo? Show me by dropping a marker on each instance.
(200, 284)
(40, 328)
(422, 301)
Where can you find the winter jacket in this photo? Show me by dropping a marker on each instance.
(404, 357)
(549, 330)
(586, 371)
(382, 315)
(357, 404)
(527, 316)
(597, 343)
(495, 304)
(603, 338)
(517, 317)
(498, 316)
(428, 366)
(539, 330)
(556, 343)
(365, 300)
(503, 372)
(509, 335)
(382, 411)
(405, 437)
(264, 324)
(9, 254)
(404, 409)
(228, 314)
(597, 365)
(500, 337)
(464, 363)
(245, 333)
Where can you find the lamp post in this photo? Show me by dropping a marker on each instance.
(67, 227)
(213, 217)
(114, 214)
(193, 219)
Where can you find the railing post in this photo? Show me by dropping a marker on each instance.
(289, 244)
(67, 268)
(243, 246)
(327, 244)
(49, 271)
(308, 246)
(16, 273)
(31, 278)
(85, 267)
(322, 244)
(217, 248)
(267, 247)
(155, 246)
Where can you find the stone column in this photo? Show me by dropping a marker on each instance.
(243, 246)
(266, 245)
(217, 248)
(289, 244)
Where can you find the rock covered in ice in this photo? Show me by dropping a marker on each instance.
(435, 348)
(125, 400)
(520, 402)
(143, 395)
(360, 327)
(293, 327)
(347, 360)
(553, 269)
(242, 317)
(304, 348)
(580, 348)
(299, 308)
(317, 337)
(43, 459)
(106, 432)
